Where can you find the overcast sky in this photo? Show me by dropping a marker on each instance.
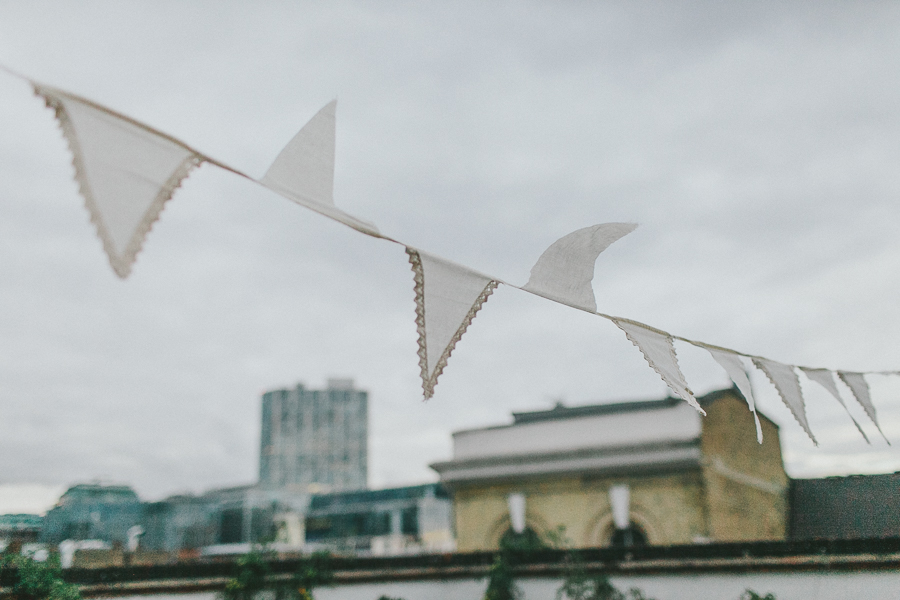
(757, 145)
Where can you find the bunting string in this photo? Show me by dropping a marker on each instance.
(127, 171)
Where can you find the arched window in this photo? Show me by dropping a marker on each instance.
(634, 535)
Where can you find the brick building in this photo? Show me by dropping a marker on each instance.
(688, 478)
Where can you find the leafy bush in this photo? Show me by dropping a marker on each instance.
(315, 572)
(501, 584)
(578, 585)
(40, 580)
(250, 578)
(253, 578)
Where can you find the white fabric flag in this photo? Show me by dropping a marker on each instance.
(565, 270)
(825, 378)
(125, 170)
(857, 384)
(448, 297)
(659, 350)
(735, 369)
(304, 170)
(787, 384)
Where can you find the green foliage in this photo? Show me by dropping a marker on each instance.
(253, 577)
(578, 585)
(501, 585)
(40, 580)
(751, 595)
(582, 587)
(315, 572)
(527, 541)
(250, 579)
(557, 538)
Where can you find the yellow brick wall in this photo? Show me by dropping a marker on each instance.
(733, 461)
(715, 502)
(669, 508)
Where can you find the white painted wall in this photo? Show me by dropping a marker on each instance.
(870, 585)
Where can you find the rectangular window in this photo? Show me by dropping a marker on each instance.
(409, 521)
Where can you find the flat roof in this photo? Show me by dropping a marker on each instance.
(561, 411)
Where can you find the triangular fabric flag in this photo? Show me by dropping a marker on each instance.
(125, 170)
(857, 384)
(565, 270)
(659, 351)
(825, 378)
(735, 369)
(787, 384)
(448, 297)
(304, 170)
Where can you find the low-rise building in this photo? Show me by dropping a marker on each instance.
(679, 477)
(846, 508)
(21, 527)
(93, 511)
(390, 521)
(180, 522)
(235, 516)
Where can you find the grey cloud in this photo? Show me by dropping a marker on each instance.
(755, 143)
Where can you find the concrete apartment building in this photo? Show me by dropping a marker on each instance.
(689, 478)
(315, 440)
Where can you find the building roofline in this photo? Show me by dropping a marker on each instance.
(852, 476)
(560, 412)
(714, 395)
(514, 459)
(235, 488)
(568, 412)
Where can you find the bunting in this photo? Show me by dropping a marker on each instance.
(658, 349)
(857, 384)
(825, 378)
(565, 270)
(304, 170)
(784, 378)
(127, 171)
(448, 297)
(735, 369)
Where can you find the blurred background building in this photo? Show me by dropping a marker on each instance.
(315, 440)
(93, 511)
(855, 507)
(682, 477)
(21, 527)
(390, 521)
(631, 473)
